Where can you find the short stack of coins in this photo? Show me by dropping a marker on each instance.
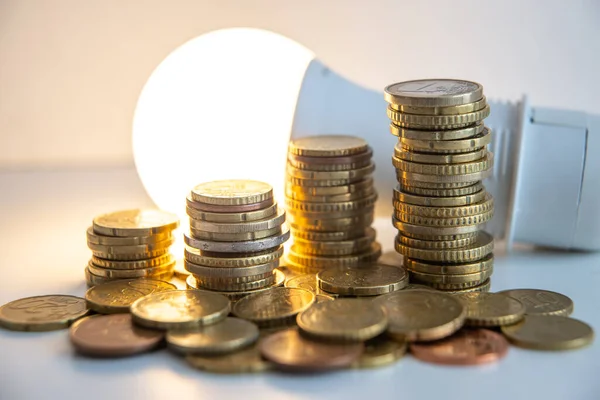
(131, 244)
(235, 239)
(330, 199)
(440, 203)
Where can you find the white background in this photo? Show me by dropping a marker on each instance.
(71, 70)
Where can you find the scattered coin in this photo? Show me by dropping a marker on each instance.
(118, 296)
(112, 336)
(467, 347)
(247, 360)
(542, 302)
(275, 307)
(551, 332)
(227, 336)
(308, 282)
(364, 280)
(42, 313)
(180, 309)
(330, 320)
(290, 350)
(492, 309)
(379, 352)
(422, 315)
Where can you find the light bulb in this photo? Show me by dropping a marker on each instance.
(225, 104)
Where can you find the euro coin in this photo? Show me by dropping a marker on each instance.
(135, 223)
(541, 302)
(247, 360)
(379, 352)
(433, 93)
(328, 146)
(42, 313)
(232, 192)
(117, 296)
(364, 280)
(199, 257)
(492, 309)
(231, 217)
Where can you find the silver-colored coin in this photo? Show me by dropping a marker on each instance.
(433, 92)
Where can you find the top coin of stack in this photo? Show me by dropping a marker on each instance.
(236, 236)
(131, 244)
(440, 203)
(330, 200)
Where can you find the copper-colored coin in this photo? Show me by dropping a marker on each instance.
(467, 347)
(112, 336)
(229, 208)
(290, 350)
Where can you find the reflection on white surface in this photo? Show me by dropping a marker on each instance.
(43, 218)
(219, 107)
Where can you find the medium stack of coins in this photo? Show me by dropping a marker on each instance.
(330, 200)
(440, 203)
(131, 244)
(236, 237)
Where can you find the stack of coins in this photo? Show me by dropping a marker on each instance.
(440, 203)
(131, 244)
(330, 200)
(236, 237)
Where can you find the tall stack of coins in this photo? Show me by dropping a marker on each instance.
(440, 203)
(131, 244)
(236, 237)
(330, 200)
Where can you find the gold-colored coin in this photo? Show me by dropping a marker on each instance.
(483, 287)
(541, 302)
(430, 201)
(271, 222)
(480, 165)
(492, 309)
(322, 183)
(198, 257)
(244, 361)
(93, 280)
(447, 134)
(344, 319)
(449, 192)
(135, 223)
(333, 207)
(453, 222)
(449, 269)
(180, 309)
(433, 185)
(145, 263)
(454, 281)
(403, 154)
(340, 164)
(225, 273)
(324, 262)
(339, 198)
(433, 93)
(308, 282)
(331, 217)
(232, 217)
(366, 184)
(125, 241)
(191, 283)
(550, 332)
(275, 307)
(336, 248)
(446, 212)
(227, 336)
(328, 146)
(466, 144)
(354, 174)
(447, 110)
(435, 244)
(232, 192)
(476, 251)
(467, 179)
(422, 315)
(349, 234)
(364, 280)
(117, 296)
(42, 313)
(437, 121)
(131, 256)
(431, 234)
(379, 352)
(131, 273)
(363, 221)
(235, 237)
(236, 284)
(134, 249)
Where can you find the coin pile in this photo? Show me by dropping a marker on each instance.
(330, 199)
(235, 239)
(130, 244)
(440, 203)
